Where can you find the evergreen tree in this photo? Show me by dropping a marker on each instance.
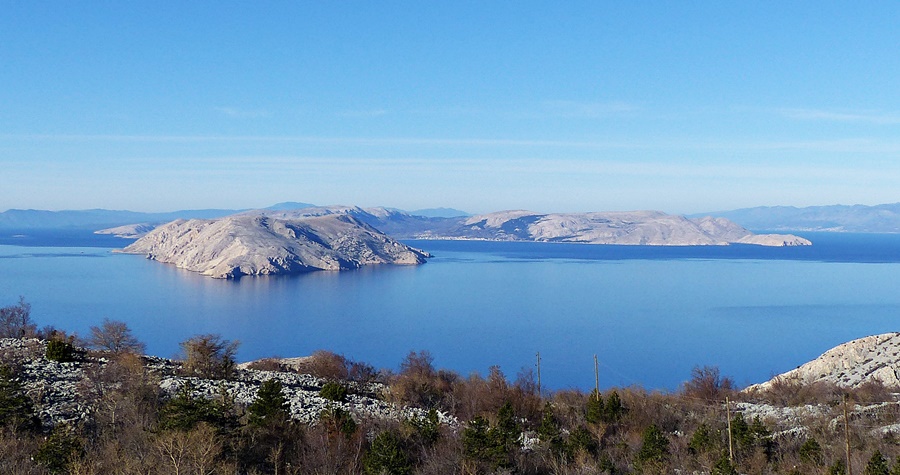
(723, 466)
(594, 409)
(877, 465)
(702, 441)
(654, 451)
(184, 411)
(387, 456)
(481, 443)
(59, 450)
(428, 428)
(613, 410)
(811, 452)
(16, 410)
(837, 468)
(581, 440)
(270, 406)
(549, 433)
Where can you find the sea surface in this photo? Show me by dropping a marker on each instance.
(650, 314)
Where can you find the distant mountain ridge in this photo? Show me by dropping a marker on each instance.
(95, 219)
(622, 227)
(92, 219)
(884, 218)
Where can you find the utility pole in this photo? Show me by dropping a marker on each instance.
(539, 372)
(730, 440)
(596, 375)
(847, 436)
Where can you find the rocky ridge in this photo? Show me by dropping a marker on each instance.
(59, 391)
(850, 364)
(250, 244)
(616, 227)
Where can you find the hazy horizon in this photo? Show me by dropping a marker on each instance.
(583, 106)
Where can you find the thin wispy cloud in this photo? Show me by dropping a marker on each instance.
(363, 114)
(872, 117)
(237, 113)
(588, 110)
(861, 145)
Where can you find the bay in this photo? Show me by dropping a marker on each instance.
(651, 314)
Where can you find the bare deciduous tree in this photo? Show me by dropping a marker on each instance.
(114, 336)
(209, 356)
(15, 321)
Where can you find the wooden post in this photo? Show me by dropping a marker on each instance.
(596, 376)
(847, 436)
(539, 372)
(730, 440)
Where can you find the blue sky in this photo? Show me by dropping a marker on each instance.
(550, 106)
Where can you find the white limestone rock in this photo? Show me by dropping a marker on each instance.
(850, 364)
(129, 231)
(239, 245)
(648, 228)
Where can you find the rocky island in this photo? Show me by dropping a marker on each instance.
(240, 245)
(647, 228)
(278, 241)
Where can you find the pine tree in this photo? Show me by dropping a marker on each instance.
(594, 410)
(723, 466)
(654, 451)
(16, 410)
(877, 465)
(614, 409)
(549, 432)
(811, 452)
(387, 456)
(270, 406)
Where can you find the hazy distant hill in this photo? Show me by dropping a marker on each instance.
(840, 218)
(439, 213)
(93, 219)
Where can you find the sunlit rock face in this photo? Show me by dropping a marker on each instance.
(241, 245)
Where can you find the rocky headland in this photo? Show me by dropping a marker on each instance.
(255, 245)
(849, 365)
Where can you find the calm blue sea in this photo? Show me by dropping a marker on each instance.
(650, 313)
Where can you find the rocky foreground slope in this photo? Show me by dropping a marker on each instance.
(240, 245)
(850, 364)
(61, 391)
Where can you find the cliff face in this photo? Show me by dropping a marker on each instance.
(259, 245)
(850, 364)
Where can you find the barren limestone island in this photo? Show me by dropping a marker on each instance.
(264, 242)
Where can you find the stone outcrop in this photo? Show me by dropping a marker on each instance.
(60, 391)
(240, 245)
(851, 364)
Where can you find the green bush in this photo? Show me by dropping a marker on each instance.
(387, 456)
(270, 406)
(333, 392)
(59, 450)
(60, 350)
